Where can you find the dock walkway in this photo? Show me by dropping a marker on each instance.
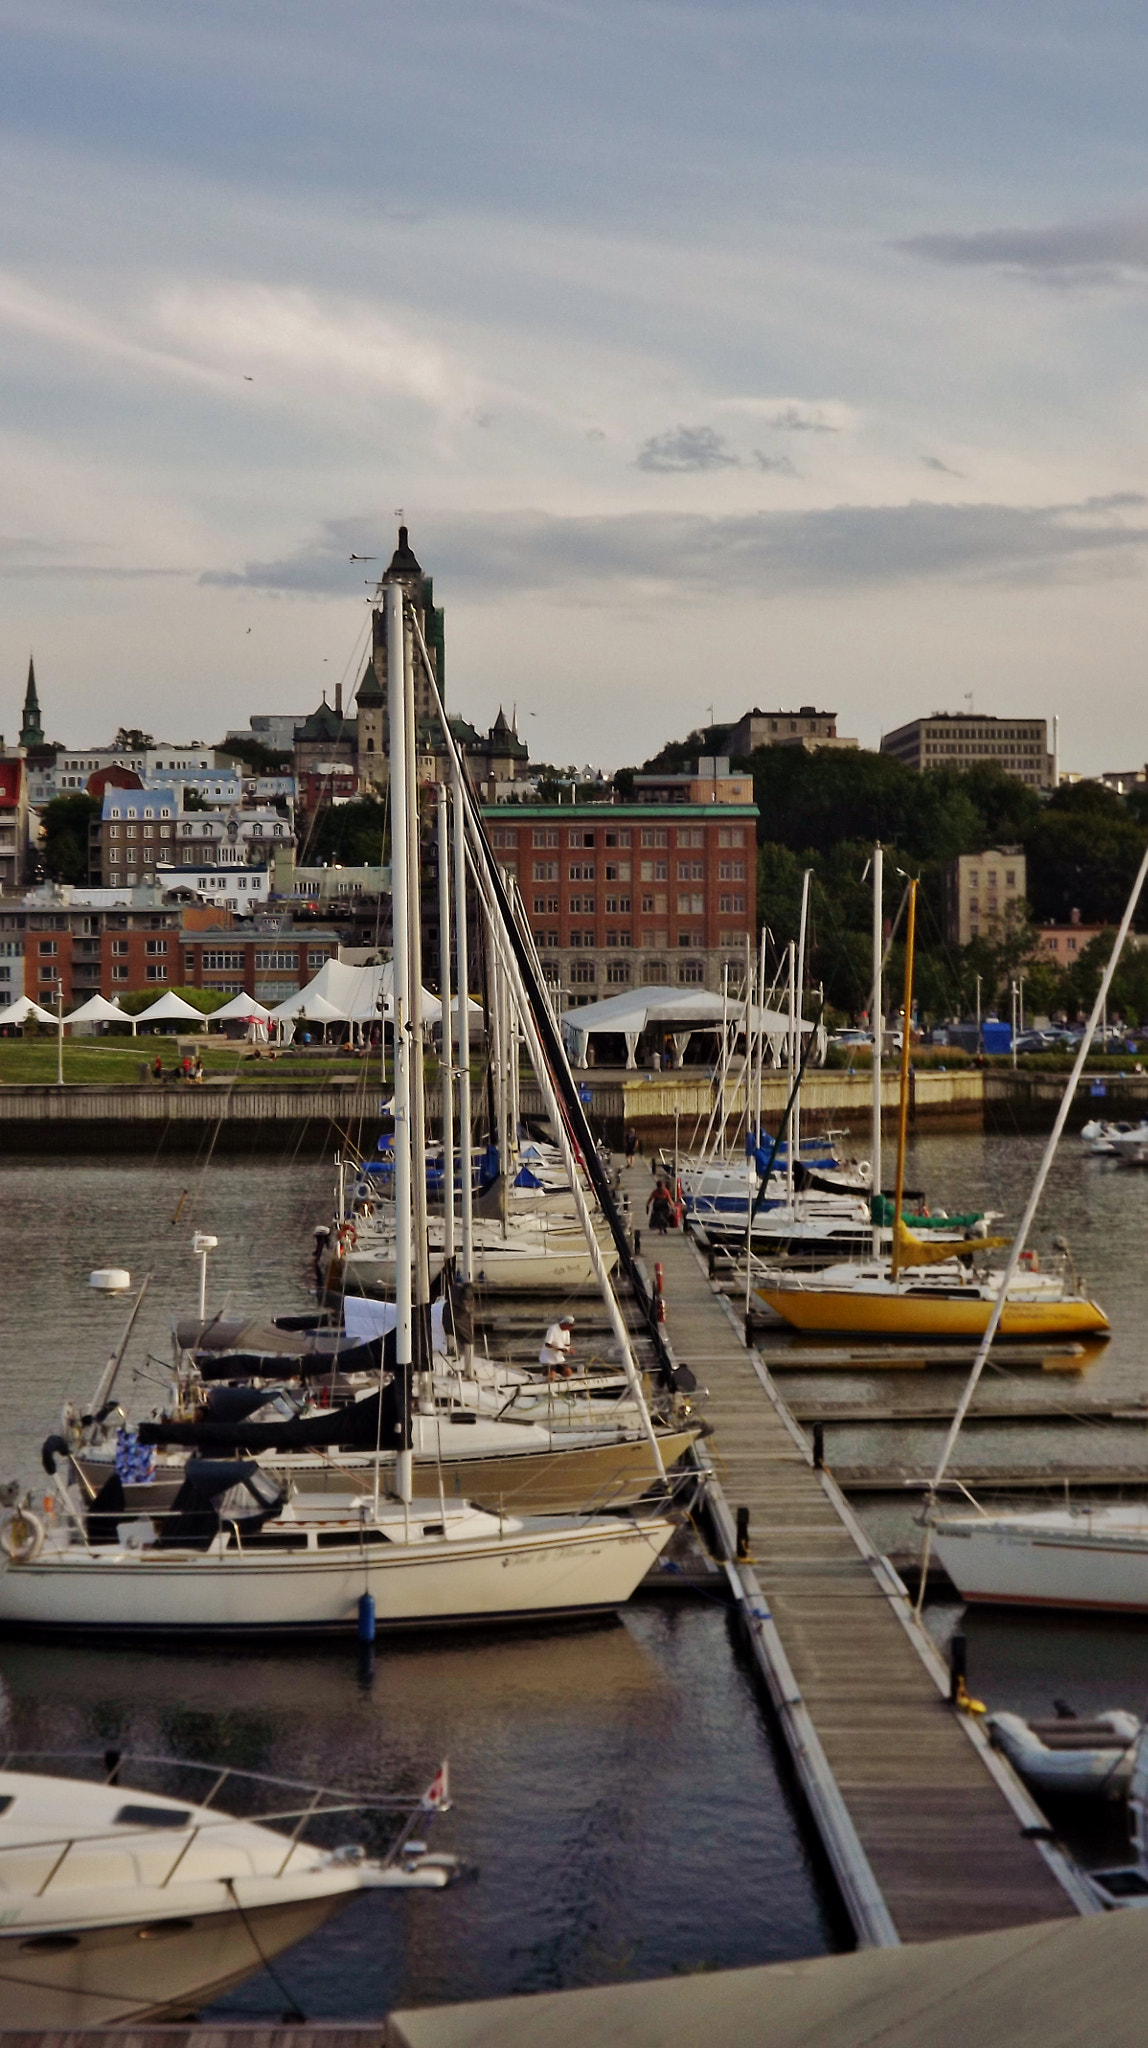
(929, 1832)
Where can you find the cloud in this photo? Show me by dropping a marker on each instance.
(776, 465)
(801, 419)
(762, 554)
(684, 449)
(1087, 252)
(942, 468)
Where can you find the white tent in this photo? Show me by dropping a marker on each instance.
(97, 1010)
(308, 1008)
(240, 1007)
(23, 1008)
(360, 995)
(673, 1013)
(168, 1009)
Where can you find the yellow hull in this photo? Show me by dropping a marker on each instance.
(845, 1313)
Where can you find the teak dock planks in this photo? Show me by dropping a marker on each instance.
(925, 1826)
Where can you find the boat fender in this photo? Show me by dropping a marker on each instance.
(348, 1235)
(52, 1448)
(21, 1535)
(965, 1701)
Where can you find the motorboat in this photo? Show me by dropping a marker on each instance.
(233, 1557)
(118, 1904)
(1078, 1557)
(1069, 1756)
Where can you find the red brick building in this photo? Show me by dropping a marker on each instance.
(620, 895)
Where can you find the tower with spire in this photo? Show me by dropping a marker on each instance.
(371, 697)
(31, 730)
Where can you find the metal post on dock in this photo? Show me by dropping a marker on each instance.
(958, 1665)
(742, 1551)
(818, 1446)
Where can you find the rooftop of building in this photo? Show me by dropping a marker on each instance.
(603, 812)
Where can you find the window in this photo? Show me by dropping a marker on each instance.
(731, 871)
(655, 971)
(277, 962)
(1010, 878)
(617, 870)
(503, 836)
(149, 831)
(655, 835)
(690, 971)
(548, 837)
(617, 906)
(618, 970)
(655, 870)
(189, 963)
(155, 973)
(691, 906)
(546, 906)
(217, 962)
(1071, 945)
(691, 871)
(618, 838)
(580, 839)
(546, 870)
(115, 811)
(119, 973)
(47, 974)
(582, 938)
(48, 946)
(546, 939)
(582, 970)
(315, 957)
(582, 871)
(165, 831)
(155, 946)
(691, 835)
(655, 941)
(114, 832)
(581, 906)
(690, 939)
(731, 904)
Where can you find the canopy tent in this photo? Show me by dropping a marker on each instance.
(97, 1010)
(23, 1008)
(673, 1013)
(307, 1007)
(168, 1009)
(241, 1008)
(358, 995)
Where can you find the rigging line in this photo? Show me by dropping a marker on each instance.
(1021, 1237)
(293, 2011)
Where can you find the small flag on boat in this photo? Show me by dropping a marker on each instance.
(436, 1798)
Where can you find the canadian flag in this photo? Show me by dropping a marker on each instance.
(436, 1798)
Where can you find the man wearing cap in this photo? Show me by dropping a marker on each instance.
(555, 1352)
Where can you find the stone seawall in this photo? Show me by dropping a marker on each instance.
(830, 1099)
(1029, 1102)
(148, 1118)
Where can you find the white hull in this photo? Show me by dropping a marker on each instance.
(1097, 1561)
(1070, 1758)
(550, 1567)
(510, 1269)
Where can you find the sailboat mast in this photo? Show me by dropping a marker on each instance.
(445, 1026)
(795, 1127)
(903, 1105)
(466, 1167)
(876, 1017)
(396, 691)
(414, 986)
(792, 1072)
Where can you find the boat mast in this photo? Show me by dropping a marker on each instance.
(462, 964)
(876, 1018)
(445, 1025)
(396, 691)
(792, 1071)
(415, 987)
(903, 1104)
(795, 1127)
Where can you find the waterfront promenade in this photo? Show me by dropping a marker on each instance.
(929, 1833)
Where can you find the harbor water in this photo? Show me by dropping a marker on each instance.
(619, 1797)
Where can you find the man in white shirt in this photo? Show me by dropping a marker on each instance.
(555, 1352)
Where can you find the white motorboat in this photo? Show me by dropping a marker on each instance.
(1107, 1140)
(1068, 1756)
(233, 1558)
(1086, 1557)
(119, 1905)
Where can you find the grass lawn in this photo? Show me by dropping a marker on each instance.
(31, 1062)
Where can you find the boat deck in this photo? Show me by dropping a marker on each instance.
(928, 1832)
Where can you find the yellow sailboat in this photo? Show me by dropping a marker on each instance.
(930, 1290)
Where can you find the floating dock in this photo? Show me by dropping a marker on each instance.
(928, 1830)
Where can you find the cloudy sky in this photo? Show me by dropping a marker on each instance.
(718, 353)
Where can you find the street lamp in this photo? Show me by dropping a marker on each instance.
(1013, 1015)
(59, 1031)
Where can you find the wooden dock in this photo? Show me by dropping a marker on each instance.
(928, 1831)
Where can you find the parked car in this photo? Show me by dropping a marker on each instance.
(851, 1037)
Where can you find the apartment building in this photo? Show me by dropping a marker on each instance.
(807, 728)
(271, 962)
(984, 894)
(962, 740)
(141, 835)
(711, 784)
(632, 893)
(85, 942)
(13, 822)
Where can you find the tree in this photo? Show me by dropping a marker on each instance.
(65, 823)
(130, 740)
(255, 756)
(346, 835)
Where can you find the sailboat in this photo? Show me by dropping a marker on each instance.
(931, 1290)
(235, 1554)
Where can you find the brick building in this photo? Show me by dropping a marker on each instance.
(270, 964)
(89, 942)
(632, 893)
(13, 822)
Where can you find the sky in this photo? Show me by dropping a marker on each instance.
(715, 355)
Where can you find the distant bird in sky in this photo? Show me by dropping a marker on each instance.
(247, 379)
(249, 629)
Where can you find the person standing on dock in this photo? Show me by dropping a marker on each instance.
(631, 1142)
(660, 1209)
(555, 1352)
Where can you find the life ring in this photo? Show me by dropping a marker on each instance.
(1030, 1262)
(21, 1535)
(348, 1235)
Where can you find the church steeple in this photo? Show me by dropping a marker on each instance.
(31, 730)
